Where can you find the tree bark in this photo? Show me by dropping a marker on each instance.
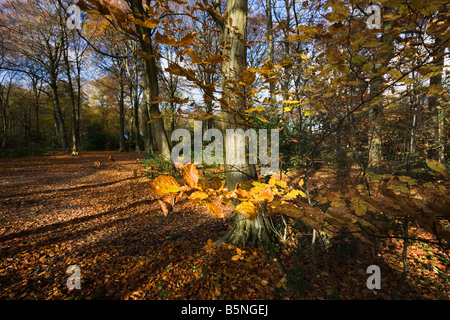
(436, 107)
(375, 151)
(137, 132)
(73, 101)
(121, 112)
(375, 140)
(234, 35)
(270, 51)
(59, 120)
(151, 86)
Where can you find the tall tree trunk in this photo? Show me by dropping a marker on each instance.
(5, 128)
(121, 112)
(375, 141)
(36, 94)
(234, 35)
(137, 132)
(59, 120)
(146, 129)
(436, 106)
(150, 85)
(77, 118)
(158, 131)
(270, 51)
(375, 151)
(133, 83)
(71, 93)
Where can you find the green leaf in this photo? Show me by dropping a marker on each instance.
(395, 74)
(401, 189)
(436, 166)
(358, 59)
(375, 176)
(436, 88)
(358, 206)
(371, 44)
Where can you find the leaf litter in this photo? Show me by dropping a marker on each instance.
(98, 212)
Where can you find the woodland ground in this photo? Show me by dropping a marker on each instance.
(59, 210)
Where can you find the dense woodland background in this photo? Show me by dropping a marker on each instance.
(362, 112)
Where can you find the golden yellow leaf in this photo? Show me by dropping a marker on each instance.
(358, 206)
(163, 185)
(198, 196)
(248, 76)
(247, 209)
(187, 40)
(144, 55)
(190, 175)
(214, 210)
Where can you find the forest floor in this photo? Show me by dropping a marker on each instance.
(99, 214)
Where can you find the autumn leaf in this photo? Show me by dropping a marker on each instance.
(147, 23)
(214, 210)
(163, 185)
(436, 166)
(187, 40)
(260, 108)
(339, 13)
(262, 119)
(210, 246)
(342, 213)
(248, 76)
(236, 257)
(395, 74)
(167, 204)
(190, 175)
(294, 193)
(436, 88)
(358, 206)
(215, 184)
(165, 39)
(247, 209)
(262, 194)
(198, 196)
(144, 55)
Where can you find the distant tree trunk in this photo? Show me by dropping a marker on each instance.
(136, 110)
(146, 129)
(77, 127)
(4, 101)
(270, 51)
(59, 120)
(375, 151)
(343, 164)
(5, 128)
(133, 84)
(158, 131)
(137, 132)
(53, 53)
(36, 94)
(121, 111)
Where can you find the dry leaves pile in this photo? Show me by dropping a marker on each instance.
(101, 214)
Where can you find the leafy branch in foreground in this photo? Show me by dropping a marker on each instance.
(330, 211)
